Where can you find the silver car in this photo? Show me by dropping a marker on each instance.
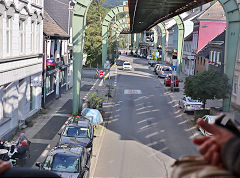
(164, 71)
(189, 104)
(211, 120)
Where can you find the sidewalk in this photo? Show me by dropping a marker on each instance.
(46, 125)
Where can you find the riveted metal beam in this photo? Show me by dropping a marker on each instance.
(155, 37)
(137, 42)
(163, 31)
(78, 26)
(105, 29)
(231, 43)
(180, 25)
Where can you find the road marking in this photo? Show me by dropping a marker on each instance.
(132, 92)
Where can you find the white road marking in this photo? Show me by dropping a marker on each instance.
(132, 92)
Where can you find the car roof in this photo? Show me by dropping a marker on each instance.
(71, 150)
(79, 124)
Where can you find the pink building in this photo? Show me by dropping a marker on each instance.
(207, 26)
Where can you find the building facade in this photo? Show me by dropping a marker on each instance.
(58, 77)
(57, 74)
(21, 39)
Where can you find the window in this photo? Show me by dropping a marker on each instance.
(214, 57)
(22, 36)
(32, 98)
(211, 56)
(37, 38)
(8, 36)
(235, 85)
(49, 84)
(218, 58)
(32, 36)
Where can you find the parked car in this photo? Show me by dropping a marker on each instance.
(156, 67)
(67, 161)
(189, 104)
(169, 79)
(149, 57)
(80, 132)
(127, 66)
(164, 71)
(211, 120)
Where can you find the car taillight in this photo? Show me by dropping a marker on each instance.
(187, 105)
(202, 105)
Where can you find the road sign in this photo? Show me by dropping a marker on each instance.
(101, 73)
(174, 68)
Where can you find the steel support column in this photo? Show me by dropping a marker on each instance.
(105, 26)
(155, 38)
(163, 30)
(231, 43)
(132, 41)
(180, 25)
(137, 42)
(78, 26)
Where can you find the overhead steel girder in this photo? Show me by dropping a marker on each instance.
(115, 26)
(163, 30)
(155, 37)
(180, 25)
(105, 25)
(137, 42)
(122, 26)
(78, 26)
(231, 42)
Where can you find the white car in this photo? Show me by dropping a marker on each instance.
(189, 104)
(149, 57)
(211, 120)
(127, 66)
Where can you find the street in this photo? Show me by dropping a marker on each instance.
(145, 133)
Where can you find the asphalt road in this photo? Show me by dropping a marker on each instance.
(145, 133)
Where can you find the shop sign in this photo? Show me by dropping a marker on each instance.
(50, 62)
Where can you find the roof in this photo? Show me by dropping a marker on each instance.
(74, 150)
(214, 12)
(189, 37)
(218, 40)
(52, 29)
(58, 10)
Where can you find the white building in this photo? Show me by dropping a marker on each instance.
(21, 38)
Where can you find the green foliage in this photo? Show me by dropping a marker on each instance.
(207, 85)
(95, 101)
(93, 39)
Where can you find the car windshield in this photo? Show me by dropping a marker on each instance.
(166, 69)
(126, 63)
(74, 131)
(65, 163)
(191, 100)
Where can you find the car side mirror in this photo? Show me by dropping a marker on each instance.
(38, 164)
(89, 145)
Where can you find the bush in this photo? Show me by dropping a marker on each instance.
(94, 101)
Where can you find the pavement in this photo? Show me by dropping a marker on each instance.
(47, 123)
(146, 132)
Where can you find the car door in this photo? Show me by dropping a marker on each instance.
(84, 164)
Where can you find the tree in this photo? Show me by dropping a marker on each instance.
(207, 85)
(93, 39)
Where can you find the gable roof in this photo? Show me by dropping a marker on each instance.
(214, 12)
(52, 29)
(59, 11)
